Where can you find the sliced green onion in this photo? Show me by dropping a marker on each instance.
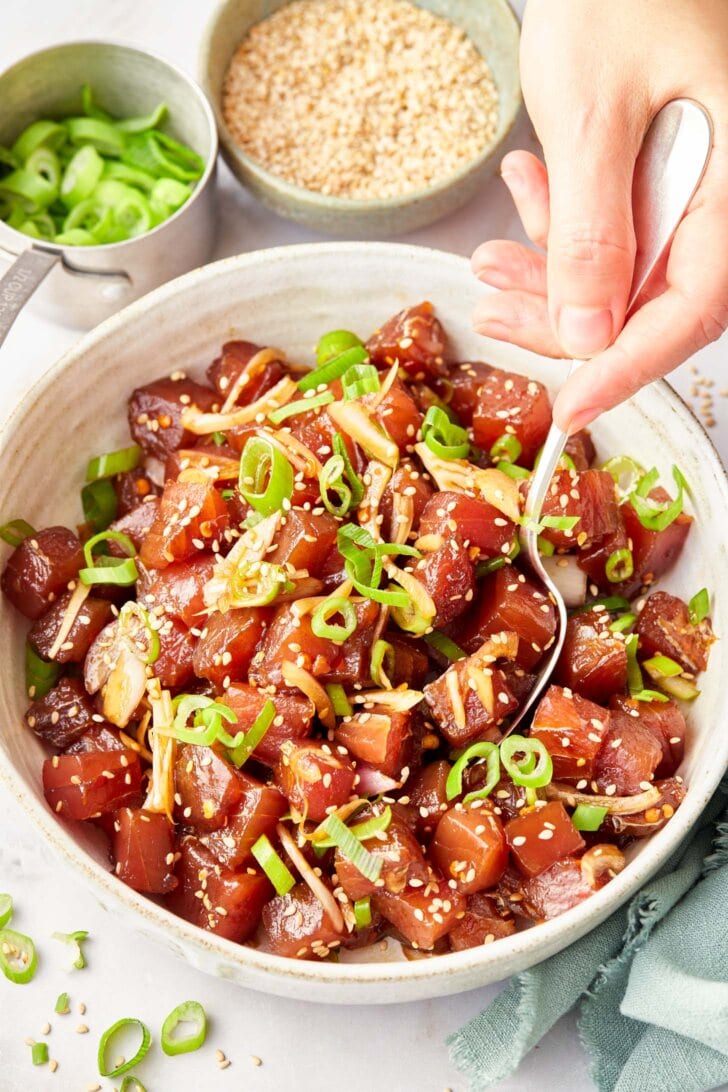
(339, 477)
(40, 675)
(624, 622)
(88, 105)
(698, 607)
(444, 438)
(545, 548)
(363, 564)
(588, 817)
(442, 644)
(208, 721)
(39, 1053)
(370, 828)
(99, 503)
(6, 910)
(662, 665)
(240, 754)
(102, 135)
(105, 1046)
(219, 438)
(328, 609)
(335, 343)
(167, 196)
(359, 380)
(109, 570)
(608, 602)
(147, 121)
(654, 516)
(45, 163)
(351, 848)
(506, 448)
(634, 675)
(108, 536)
(681, 688)
(15, 532)
(363, 912)
(559, 523)
(189, 1012)
(18, 959)
(649, 695)
(301, 405)
(75, 237)
(339, 702)
(136, 624)
(40, 134)
(525, 773)
(30, 188)
(274, 867)
(518, 473)
(266, 476)
(382, 664)
(619, 566)
(133, 176)
(454, 783)
(132, 1084)
(113, 462)
(625, 472)
(73, 940)
(81, 176)
(62, 1005)
(334, 368)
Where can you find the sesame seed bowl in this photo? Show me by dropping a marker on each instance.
(289, 295)
(362, 117)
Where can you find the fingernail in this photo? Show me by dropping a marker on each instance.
(583, 418)
(584, 331)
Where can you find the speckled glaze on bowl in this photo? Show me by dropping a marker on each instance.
(492, 27)
(287, 297)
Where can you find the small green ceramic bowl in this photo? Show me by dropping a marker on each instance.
(492, 27)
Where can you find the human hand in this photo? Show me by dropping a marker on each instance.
(594, 75)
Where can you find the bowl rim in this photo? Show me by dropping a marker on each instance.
(295, 194)
(525, 948)
(193, 86)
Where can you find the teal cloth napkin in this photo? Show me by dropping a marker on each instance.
(650, 983)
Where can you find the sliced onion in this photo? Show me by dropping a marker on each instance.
(599, 860)
(460, 476)
(372, 781)
(452, 685)
(376, 478)
(217, 468)
(303, 680)
(568, 577)
(78, 598)
(499, 646)
(317, 886)
(254, 367)
(125, 687)
(299, 456)
(201, 424)
(160, 797)
(616, 805)
(482, 684)
(373, 400)
(353, 420)
(252, 546)
(100, 658)
(418, 617)
(399, 700)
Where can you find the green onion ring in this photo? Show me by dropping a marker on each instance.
(110, 1034)
(444, 438)
(351, 848)
(446, 647)
(99, 503)
(698, 607)
(619, 566)
(301, 405)
(112, 463)
(266, 476)
(333, 368)
(323, 628)
(454, 783)
(40, 675)
(190, 1012)
(6, 910)
(334, 343)
(363, 912)
(359, 380)
(382, 665)
(339, 701)
(240, 754)
(274, 867)
(507, 448)
(18, 958)
(15, 532)
(525, 773)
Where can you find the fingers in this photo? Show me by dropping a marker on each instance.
(505, 264)
(591, 238)
(519, 317)
(526, 178)
(668, 329)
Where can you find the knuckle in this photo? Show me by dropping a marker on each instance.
(590, 246)
(712, 319)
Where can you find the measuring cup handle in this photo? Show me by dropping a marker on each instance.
(20, 282)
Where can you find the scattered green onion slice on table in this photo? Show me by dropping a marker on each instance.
(301, 405)
(351, 847)
(444, 645)
(359, 380)
(588, 817)
(339, 701)
(39, 1053)
(274, 867)
(619, 566)
(698, 607)
(16, 531)
(131, 1084)
(106, 1046)
(333, 368)
(112, 463)
(99, 503)
(528, 773)
(18, 958)
(6, 910)
(62, 1005)
(266, 476)
(74, 941)
(507, 448)
(240, 754)
(332, 631)
(363, 912)
(454, 783)
(189, 1012)
(334, 343)
(443, 437)
(40, 675)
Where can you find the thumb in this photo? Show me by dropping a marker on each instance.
(591, 242)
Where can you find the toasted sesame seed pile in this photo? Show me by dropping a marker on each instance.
(360, 98)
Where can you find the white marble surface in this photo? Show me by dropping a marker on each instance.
(312, 1048)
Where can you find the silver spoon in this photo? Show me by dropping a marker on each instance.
(668, 171)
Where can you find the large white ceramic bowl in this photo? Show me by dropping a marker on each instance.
(288, 297)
